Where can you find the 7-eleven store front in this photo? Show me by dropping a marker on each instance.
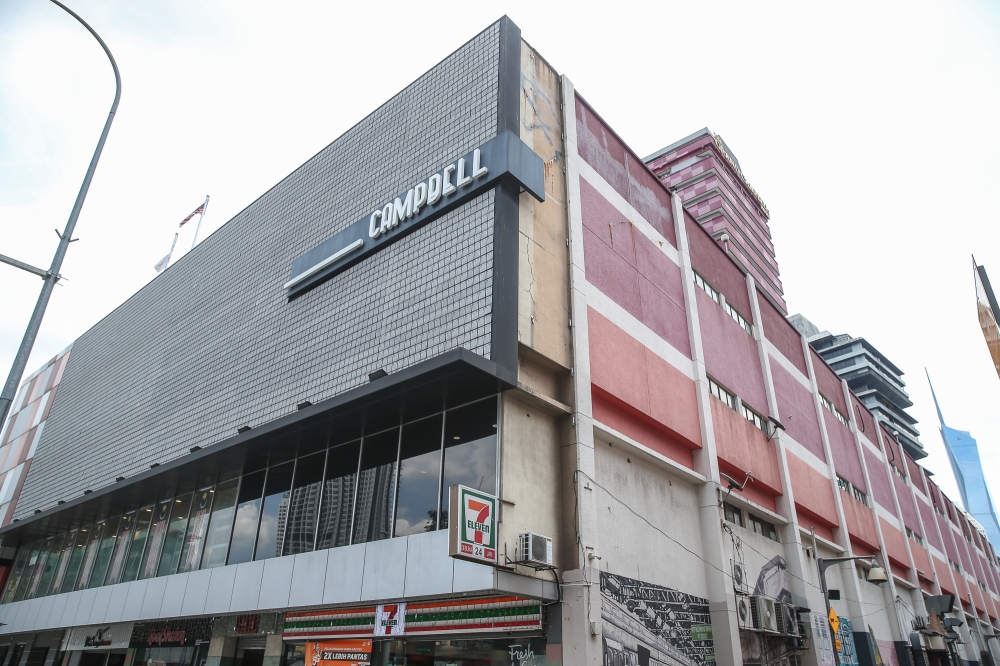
(493, 631)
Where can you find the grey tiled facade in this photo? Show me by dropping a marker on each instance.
(213, 343)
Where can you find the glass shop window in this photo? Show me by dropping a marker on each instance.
(274, 514)
(247, 517)
(121, 548)
(197, 526)
(90, 555)
(38, 570)
(68, 548)
(470, 454)
(337, 504)
(179, 514)
(220, 525)
(20, 567)
(49, 566)
(154, 542)
(75, 560)
(300, 527)
(373, 513)
(104, 552)
(137, 543)
(419, 474)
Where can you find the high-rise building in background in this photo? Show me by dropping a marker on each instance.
(963, 453)
(873, 378)
(987, 306)
(706, 175)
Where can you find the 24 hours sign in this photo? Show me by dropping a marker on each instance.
(472, 525)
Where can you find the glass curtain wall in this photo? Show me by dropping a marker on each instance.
(322, 486)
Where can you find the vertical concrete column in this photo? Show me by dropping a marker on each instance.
(221, 651)
(848, 571)
(273, 650)
(923, 531)
(889, 591)
(791, 537)
(722, 599)
(944, 549)
(582, 595)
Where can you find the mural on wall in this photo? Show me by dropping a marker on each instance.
(772, 581)
(645, 624)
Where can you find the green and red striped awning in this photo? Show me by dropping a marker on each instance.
(493, 614)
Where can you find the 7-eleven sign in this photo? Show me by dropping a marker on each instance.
(472, 525)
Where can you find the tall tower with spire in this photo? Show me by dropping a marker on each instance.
(963, 453)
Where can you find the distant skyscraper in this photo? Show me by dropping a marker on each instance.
(873, 377)
(963, 452)
(988, 311)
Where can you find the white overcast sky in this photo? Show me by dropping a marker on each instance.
(870, 129)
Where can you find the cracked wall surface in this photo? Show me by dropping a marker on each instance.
(543, 281)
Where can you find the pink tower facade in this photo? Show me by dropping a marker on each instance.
(704, 172)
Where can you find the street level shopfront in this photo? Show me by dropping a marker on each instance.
(490, 631)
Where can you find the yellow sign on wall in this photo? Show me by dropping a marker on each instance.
(834, 622)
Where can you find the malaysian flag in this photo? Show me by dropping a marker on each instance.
(197, 211)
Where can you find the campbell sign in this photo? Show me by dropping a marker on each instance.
(472, 525)
(503, 158)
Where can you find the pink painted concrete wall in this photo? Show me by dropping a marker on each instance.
(797, 410)
(927, 514)
(860, 521)
(627, 370)
(865, 420)
(906, 505)
(731, 354)
(813, 492)
(829, 383)
(881, 490)
(844, 450)
(895, 544)
(744, 447)
(602, 149)
(629, 268)
(781, 334)
(711, 263)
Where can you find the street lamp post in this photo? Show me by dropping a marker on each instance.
(51, 276)
(875, 575)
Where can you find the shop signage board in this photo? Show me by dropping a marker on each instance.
(390, 620)
(845, 648)
(502, 157)
(176, 633)
(821, 631)
(345, 652)
(99, 637)
(491, 614)
(472, 532)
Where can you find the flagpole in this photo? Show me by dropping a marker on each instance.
(200, 218)
(172, 246)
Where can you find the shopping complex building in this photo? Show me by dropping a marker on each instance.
(469, 386)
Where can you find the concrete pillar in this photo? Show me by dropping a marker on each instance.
(221, 651)
(582, 642)
(791, 537)
(721, 598)
(273, 650)
(847, 570)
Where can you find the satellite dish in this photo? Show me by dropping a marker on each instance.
(733, 483)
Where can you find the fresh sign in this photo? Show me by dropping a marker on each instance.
(473, 528)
